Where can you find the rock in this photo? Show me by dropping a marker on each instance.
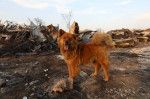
(120, 69)
(124, 42)
(121, 95)
(45, 70)
(33, 82)
(26, 84)
(64, 84)
(111, 89)
(36, 63)
(32, 94)
(133, 92)
(2, 82)
(83, 74)
(60, 57)
(34, 88)
(25, 97)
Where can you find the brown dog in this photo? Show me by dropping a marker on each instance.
(77, 54)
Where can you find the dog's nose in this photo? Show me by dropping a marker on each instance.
(67, 42)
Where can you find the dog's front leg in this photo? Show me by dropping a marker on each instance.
(74, 71)
(69, 70)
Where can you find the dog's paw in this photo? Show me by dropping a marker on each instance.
(106, 79)
(56, 91)
(93, 75)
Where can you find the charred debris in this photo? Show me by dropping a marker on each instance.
(32, 39)
(17, 39)
(128, 38)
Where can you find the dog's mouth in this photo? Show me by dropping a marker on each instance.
(66, 47)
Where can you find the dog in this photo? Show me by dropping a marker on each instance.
(77, 54)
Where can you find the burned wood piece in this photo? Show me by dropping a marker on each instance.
(122, 37)
(10, 25)
(74, 28)
(4, 37)
(138, 32)
(122, 33)
(148, 37)
(142, 39)
(142, 35)
(19, 27)
(147, 34)
(2, 26)
(52, 32)
(130, 42)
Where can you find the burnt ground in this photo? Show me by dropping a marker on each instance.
(33, 76)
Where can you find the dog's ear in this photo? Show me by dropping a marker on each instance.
(61, 32)
(75, 36)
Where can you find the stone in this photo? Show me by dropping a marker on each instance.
(83, 74)
(25, 97)
(33, 82)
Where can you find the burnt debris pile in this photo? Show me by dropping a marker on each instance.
(127, 38)
(31, 38)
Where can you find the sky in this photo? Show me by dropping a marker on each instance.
(90, 14)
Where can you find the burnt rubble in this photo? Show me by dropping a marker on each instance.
(142, 35)
(31, 38)
(128, 38)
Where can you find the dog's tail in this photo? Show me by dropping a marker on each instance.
(102, 39)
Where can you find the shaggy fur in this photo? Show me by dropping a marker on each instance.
(77, 54)
(64, 84)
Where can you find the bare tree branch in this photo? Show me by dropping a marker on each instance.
(67, 19)
(38, 21)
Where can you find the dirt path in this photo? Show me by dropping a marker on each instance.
(34, 76)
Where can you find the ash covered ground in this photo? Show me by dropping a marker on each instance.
(33, 76)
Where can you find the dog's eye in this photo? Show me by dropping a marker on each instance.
(64, 38)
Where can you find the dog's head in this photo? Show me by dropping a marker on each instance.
(67, 41)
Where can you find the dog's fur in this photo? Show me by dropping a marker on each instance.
(77, 53)
(62, 85)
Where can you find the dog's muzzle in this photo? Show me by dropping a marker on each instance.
(66, 45)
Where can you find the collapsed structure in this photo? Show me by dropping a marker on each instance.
(122, 37)
(127, 38)
(142, 35)
(33, 39)
(18, 39)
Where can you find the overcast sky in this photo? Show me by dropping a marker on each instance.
(90, 14)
